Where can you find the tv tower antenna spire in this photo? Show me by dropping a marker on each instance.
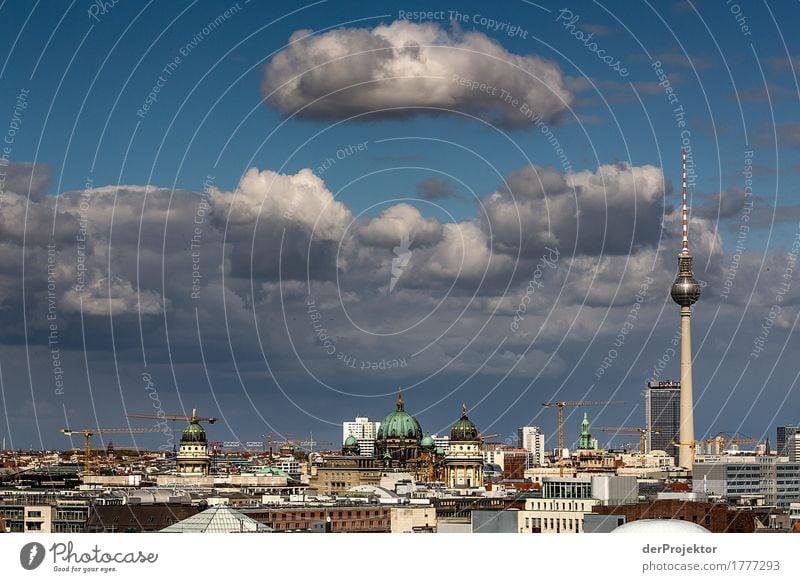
(685, 243)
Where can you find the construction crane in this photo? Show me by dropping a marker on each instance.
(720, 440)
(174, 417)
(692, 446)
(192, 418)
(560, 405)
(87, 439)
(630, 430)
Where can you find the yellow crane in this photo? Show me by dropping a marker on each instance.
(692, 446)
(87, 439)
(630, 430)
(720, 440)
(560, 406)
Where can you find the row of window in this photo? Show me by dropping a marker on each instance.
(559, 506)
(554, 524)
(341, 525)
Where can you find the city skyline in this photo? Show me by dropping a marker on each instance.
(279, 215)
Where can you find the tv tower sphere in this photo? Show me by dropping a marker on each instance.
(685, 290)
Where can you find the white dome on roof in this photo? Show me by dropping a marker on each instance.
(660, 526)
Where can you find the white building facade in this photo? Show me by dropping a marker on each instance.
(565, 502)
(531, 438)
(365, 432)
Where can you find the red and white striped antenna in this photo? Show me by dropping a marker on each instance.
(685, 244)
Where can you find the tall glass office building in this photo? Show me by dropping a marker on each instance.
(662, 411)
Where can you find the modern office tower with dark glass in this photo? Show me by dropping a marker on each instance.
(685, 292)
(662, 409)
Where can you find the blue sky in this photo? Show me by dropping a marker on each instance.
(193, 131)
(87, 74)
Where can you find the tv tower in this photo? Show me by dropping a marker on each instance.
(685, 292)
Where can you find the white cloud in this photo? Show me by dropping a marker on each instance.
(350, 71)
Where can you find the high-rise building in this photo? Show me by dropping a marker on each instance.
(662, 416)
(685, 292)
(364, 431)
(784, 435)
(531, 438)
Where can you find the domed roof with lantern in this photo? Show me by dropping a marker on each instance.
(464, 429)
(399, 424)
(194, 432)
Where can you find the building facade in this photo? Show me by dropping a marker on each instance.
(364, 431)
(565, 501)
(463, 464)
(662, 415)
(193, 457)
(735, 477)
(785, 434)
(531, 438)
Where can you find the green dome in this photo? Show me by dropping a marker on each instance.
(464, 429)
(193, 433)
(427, 442)
(351, 441)
(400, 425)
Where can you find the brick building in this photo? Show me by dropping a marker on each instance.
(715, 517)
(362, 519)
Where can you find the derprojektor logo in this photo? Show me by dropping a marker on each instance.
(31, 555)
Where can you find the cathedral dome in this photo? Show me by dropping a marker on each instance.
(351, 441)
(427, 442)
(464, 429)
(400, 425)
(193, 433)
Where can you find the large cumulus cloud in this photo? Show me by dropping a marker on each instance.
(614, 210)
(351, 71)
